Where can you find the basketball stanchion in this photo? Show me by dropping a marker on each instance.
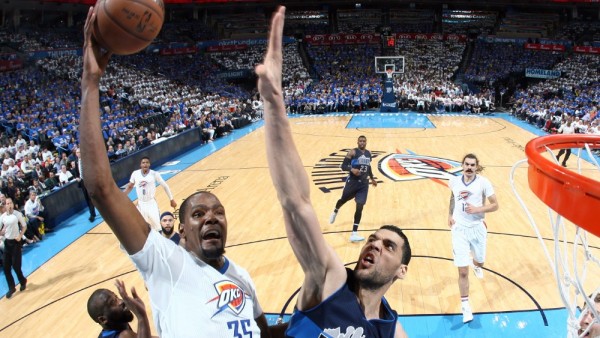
(571, 195)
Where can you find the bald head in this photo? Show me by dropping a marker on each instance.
(96, 302)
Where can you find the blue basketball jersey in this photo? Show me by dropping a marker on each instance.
(340, 315)
(110, 333)
(361, 161)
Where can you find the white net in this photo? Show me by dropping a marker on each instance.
(574, 261)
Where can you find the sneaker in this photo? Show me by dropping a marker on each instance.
(332, 217)
(23, 285)
(467, 313)
(478, 271)
(354, 237)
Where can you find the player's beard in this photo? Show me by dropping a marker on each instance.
(371, 280)
(168, 232)
(125, 316)
(213, 253)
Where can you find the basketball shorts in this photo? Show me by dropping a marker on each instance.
(151, 214)
(356, 189)
(467, 241)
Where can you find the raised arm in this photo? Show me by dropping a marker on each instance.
(114, 206)
(324, 272)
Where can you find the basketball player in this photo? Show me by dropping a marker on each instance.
(144, 180)
(466, 220)
(167, 224)
(587, 322)
(114, 314)
(333, 301)
(565, 128)
(358, 163)
(194, 290)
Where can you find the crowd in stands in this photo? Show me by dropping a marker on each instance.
(427, 82)
(245, 25)
(295, 74)
(39, 107)
(531, 25)
(33, 40)
(575, 96)
(495, 61)
(579, 29)
(349, 82)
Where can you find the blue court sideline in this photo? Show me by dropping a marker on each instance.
(500, 325)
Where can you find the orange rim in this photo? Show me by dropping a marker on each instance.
(575, 197)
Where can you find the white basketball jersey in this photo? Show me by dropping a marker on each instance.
(190, 298)
(145, 185)
(474, 193)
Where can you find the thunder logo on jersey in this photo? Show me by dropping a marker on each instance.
(464, 195)
(229, 295)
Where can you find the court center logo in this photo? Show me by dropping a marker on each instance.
(407, 167)
(327, 175)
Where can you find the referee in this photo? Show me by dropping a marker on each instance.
(9, 227)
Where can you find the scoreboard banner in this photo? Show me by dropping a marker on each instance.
(342, 39)
(542, 73)
(438, 37)
(543, 46)
(587, 49)
(6, 65)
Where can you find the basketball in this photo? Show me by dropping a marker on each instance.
(127, 26)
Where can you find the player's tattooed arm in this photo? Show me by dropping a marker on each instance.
(450, 218)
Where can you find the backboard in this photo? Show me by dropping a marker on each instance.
(382, 63)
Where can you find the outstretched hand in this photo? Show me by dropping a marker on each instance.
(135, 304)
(269, 72)
(94, 59)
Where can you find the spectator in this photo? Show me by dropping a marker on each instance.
(51, 181)
(64, 176)
(34, 210)
(37, 186)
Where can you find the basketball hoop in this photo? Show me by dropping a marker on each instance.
(575, 197)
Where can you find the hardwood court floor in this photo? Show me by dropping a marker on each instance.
(517, 276)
